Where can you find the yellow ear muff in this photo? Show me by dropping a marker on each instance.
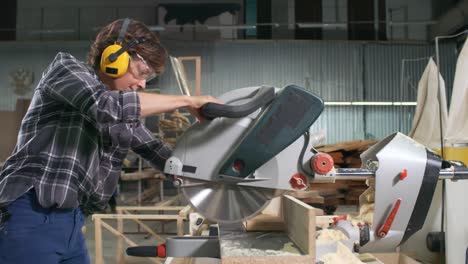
(119, 65)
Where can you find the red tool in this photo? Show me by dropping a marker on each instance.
(383, 231)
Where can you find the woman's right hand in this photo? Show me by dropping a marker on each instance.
(198, 101)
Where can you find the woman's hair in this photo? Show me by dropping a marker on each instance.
(151, 49)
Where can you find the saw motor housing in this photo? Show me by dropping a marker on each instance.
(256, 150)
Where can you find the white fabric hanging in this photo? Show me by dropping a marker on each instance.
(426, 122)
(456, 233)
(457, 125)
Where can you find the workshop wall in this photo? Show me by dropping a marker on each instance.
(337, 71)
(78, 20)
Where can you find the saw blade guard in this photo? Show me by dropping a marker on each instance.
(246, 150)
(236, 158)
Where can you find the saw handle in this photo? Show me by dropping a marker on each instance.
(261, 97)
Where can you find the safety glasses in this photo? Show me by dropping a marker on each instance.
(140, 68)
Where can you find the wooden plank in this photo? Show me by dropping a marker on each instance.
(316, 200)
(150, 208)
(318, 212)
(265, 222)
(336, 156)
(346, 146)
(197, 60)
(274, 207)
(120, 251)
(180, 226)
(360, 145)
(141, 217)
(300, 223)
(303, 194)
(198, 76)
(98, 240)
(184, 76)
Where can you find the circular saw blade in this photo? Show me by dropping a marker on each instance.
(226, 202)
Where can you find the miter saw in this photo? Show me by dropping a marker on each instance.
(257, 146)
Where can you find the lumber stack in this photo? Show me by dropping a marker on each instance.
(347, 154)
(342, 192)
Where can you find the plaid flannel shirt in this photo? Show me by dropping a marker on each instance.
(73, 140)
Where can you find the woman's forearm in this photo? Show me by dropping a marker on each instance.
(152, 104)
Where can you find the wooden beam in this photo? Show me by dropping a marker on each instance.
(265, 222)
(120, 253)
(98, 240)
(197, 60)
(150, 208)
(141, 217)
(300, 223)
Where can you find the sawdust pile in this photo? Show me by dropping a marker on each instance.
(367, 206)
(330, 235)
(237, 248)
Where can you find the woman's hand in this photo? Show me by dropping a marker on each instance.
(198, 101)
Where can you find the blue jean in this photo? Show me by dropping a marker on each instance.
(34, 234)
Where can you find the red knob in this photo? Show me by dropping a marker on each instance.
(298, 181)
(321, 163)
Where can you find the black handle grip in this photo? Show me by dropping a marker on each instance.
(143, 251)
(262, 96)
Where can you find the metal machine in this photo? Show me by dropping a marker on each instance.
(231, 166)
(257, 145)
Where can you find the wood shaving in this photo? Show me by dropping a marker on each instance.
(331, 235)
